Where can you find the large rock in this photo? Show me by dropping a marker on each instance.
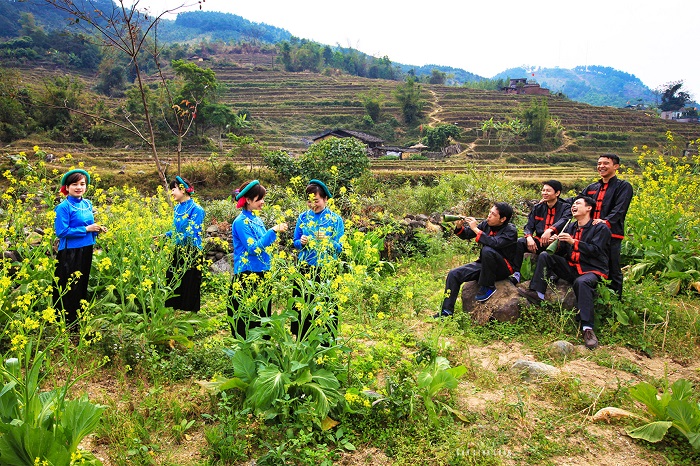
(532, 370)
(502, 306)
(560, 294)
(223, 265)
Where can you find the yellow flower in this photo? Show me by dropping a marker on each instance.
(18, 341)
(30, 324)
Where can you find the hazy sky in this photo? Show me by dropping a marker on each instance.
(655, 40)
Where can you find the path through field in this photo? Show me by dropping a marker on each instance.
(433, 118)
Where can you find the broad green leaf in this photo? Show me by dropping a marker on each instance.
(645, 393)
(8, 403)
(441, 363)
(325, 379)
(304, 377)
(243, 366)
(424, 379)
(442, 380)
(224, 384)
(694, 439)
(685, 416)
(296, 365)
(622, 317)
(268, 386)
(652, 432)
(682, 389)
(22, 444)
(673, 287)
(457, 372)
(79, 419)
(322, 398)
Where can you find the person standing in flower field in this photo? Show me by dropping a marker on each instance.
(188, 219)
(317, 236)
(250, 256)
(613, 197)
(76, 230)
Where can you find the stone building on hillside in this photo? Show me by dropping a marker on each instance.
(523, 86)
(684, 115)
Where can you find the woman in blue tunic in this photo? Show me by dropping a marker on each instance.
(250, 257)
(76, 230)
(187, 236)
(317, 236)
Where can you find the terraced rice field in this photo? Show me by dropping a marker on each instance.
(288, 109)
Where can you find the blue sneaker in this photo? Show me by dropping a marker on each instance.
(485, 292)
(443, 313)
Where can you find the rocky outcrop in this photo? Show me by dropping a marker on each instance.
(505, 304)
(217, 246)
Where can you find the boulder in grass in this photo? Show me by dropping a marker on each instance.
(559, 293)
(502, 306)
(532, 370)
(223, 265)
(561, 349)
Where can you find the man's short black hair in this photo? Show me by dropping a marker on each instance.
(504, 210)
(554, 184)
(614, 157)
(587, 199)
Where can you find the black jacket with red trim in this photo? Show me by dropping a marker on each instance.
(616, 201)
(502, 238)
(590, 251)
(537, 220)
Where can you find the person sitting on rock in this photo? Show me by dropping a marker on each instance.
(497, 237)
(581, 259)
(546, 218)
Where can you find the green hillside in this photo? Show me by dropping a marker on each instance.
(593, 84)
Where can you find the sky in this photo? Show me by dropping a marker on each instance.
(655, 40)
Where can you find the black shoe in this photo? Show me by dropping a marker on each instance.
(531, 295)
(443, 313)
(589, 339)
(514, 280)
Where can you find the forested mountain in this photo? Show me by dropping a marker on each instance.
(193, 25)
(47, 34)
(454, 76)
(595, 85)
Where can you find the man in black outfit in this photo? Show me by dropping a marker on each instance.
(547, 218)
(613, 197)
(581, 259)
(498, 238)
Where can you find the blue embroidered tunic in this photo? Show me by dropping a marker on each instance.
(187, 224)
(310, 224)
(73, 215)
(250, 238)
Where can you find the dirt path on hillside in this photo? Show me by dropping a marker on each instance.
(433, 118)
(566, 143)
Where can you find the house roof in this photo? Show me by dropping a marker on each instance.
(344, 133)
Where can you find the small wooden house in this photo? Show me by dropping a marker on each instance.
(372, 142)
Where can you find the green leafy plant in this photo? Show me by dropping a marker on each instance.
(40, 425)
(437, 377)
(282, 376)
(677, 408)
(428, 384)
